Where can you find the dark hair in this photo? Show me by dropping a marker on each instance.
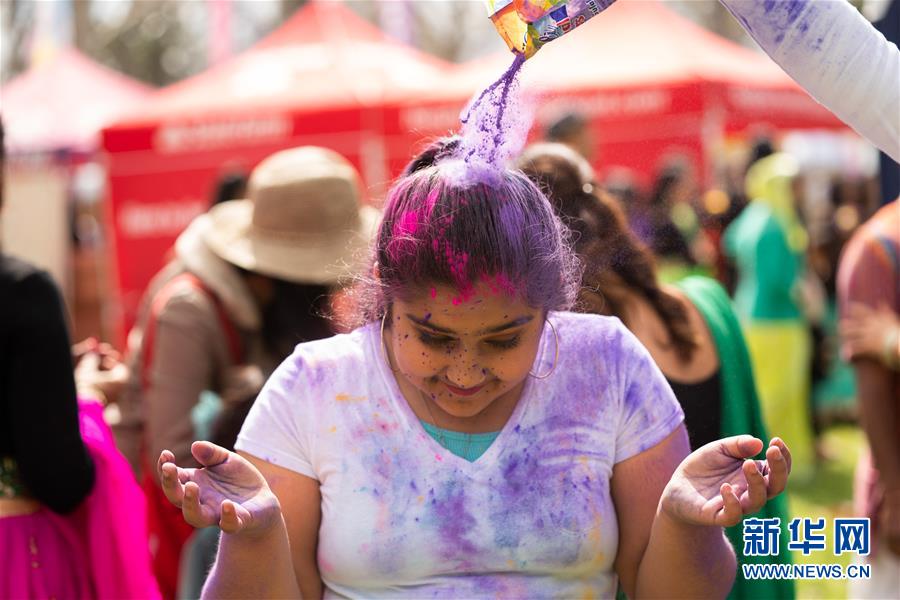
(438, 149)
(605, 244)
(436, 230)
(230, 186)
(667, 178)
(761, 147)
(565, 127)
(296, 313)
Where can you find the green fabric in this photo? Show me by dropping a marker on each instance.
(469, 446)
(672, 271)
(740, 415)
(768, 270)
(208, 408)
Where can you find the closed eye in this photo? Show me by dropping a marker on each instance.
(430, 339)
(505, 343)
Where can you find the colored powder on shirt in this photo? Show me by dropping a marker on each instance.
(495, 125)
(782, 22)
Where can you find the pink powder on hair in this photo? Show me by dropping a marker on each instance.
(408, 224)
(499, 283)
(430, 200)
(403, 231)
(505, 284)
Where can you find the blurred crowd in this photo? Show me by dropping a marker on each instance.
(739, 291)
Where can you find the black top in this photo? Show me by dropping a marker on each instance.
(38, 406)
(702, 406)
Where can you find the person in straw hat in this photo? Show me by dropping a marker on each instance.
(250, 279)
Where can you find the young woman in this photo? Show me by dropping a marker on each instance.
(471, 439)
(689, 329)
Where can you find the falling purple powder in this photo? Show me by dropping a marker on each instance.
(494, 128)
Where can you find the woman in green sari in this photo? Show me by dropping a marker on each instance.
(690, 328)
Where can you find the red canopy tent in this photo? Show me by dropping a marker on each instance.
(651, 82)
(62, 104)
(325, 77)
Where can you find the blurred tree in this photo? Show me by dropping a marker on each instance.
(289, 7)
(156, 41)
(16, 18)
(455, 30)
(162, 41)
(714, 17)
(461, 31)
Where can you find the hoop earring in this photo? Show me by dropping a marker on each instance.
(555, 357)
(383, 347)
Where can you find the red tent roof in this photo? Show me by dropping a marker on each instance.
(634, 43)
(64, 103)
(324, 56)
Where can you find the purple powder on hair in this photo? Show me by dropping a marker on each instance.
(494, 128)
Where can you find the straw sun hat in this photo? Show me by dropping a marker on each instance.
(302, 222)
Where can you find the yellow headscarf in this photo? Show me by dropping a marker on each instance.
(770, 181)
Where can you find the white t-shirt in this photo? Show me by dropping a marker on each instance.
(402, 516)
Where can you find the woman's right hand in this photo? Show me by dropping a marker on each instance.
(227, 491)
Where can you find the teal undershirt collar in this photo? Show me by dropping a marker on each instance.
(469, 446)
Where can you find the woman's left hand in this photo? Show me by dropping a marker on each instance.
(718, 484)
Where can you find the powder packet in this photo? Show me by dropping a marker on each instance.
(526, 25)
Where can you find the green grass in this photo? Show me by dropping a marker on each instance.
(829, 494)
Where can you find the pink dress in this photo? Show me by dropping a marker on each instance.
(42, 557)
(99, 551)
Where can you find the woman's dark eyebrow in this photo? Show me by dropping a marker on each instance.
(505, 326)
(428, 324)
